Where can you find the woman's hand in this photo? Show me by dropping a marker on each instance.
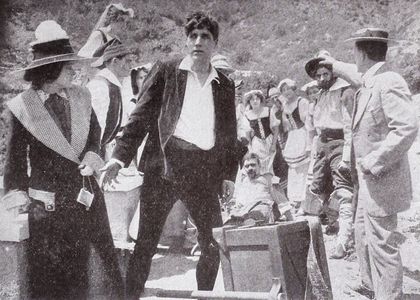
(85, 170)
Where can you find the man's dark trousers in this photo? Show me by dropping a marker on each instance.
(194, 182)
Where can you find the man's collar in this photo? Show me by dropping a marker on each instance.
(186, 65)
(339, 84)
(107, 74)
(367, 77)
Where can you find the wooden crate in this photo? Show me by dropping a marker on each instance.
(252, 257)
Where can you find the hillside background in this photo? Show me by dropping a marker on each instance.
(274, 36)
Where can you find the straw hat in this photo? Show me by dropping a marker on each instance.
(370, 34)
(287, 81)
(52, 45)
(309, 85)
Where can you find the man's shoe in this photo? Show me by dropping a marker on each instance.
(363, 290)
(339, 252)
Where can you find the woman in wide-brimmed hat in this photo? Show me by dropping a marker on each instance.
(55, 135)
(263, 129)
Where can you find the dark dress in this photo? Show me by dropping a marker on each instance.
(59, 242)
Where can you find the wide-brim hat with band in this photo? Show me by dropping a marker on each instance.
(370, 34)
(52, 45)
(312, 65)
(113, 48)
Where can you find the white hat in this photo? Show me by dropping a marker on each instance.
(287, 81)
(48, 31)
(220, 62)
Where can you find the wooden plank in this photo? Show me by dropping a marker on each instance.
(253, 256)
(219, 236)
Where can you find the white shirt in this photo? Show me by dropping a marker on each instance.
(94, 41)
(99, 91)
(196, 122)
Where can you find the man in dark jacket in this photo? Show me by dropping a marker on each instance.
(188, 109)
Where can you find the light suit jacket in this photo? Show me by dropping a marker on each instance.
(384, 127)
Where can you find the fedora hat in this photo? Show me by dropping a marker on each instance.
(52, 45)
(220, 62)
(370, 34)
(113, 48)
(313, 64)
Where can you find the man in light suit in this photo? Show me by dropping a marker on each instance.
(188, 109)
(384, 127)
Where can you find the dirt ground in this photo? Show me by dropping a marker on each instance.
(178, 271)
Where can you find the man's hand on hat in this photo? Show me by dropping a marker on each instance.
(327, 60)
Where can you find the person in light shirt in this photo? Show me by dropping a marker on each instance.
(257, 196)
(384, 127)
(188, 109)
(106, 88)
(331, 167)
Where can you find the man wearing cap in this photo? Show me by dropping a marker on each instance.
(384, 127)
(188, 109)
(331, 170)
(106, 90)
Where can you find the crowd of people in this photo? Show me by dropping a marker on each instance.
(336, 147)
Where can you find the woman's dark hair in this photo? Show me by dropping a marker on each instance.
(201, 20)
(375, 50)
(43, 74)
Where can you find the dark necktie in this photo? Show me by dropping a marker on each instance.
(59, 109)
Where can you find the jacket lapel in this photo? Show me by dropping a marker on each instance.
(80, 119)
(181, 83)
(362, 99)
(31, 112)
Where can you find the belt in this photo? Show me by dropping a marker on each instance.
(329, 134)
(48, 198)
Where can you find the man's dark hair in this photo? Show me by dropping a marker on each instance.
(251, 155)
(201, 20)
(43, 74)
(374, 50)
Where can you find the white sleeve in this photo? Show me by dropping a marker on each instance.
(274, 122)
(94, 41)
(100, 100)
